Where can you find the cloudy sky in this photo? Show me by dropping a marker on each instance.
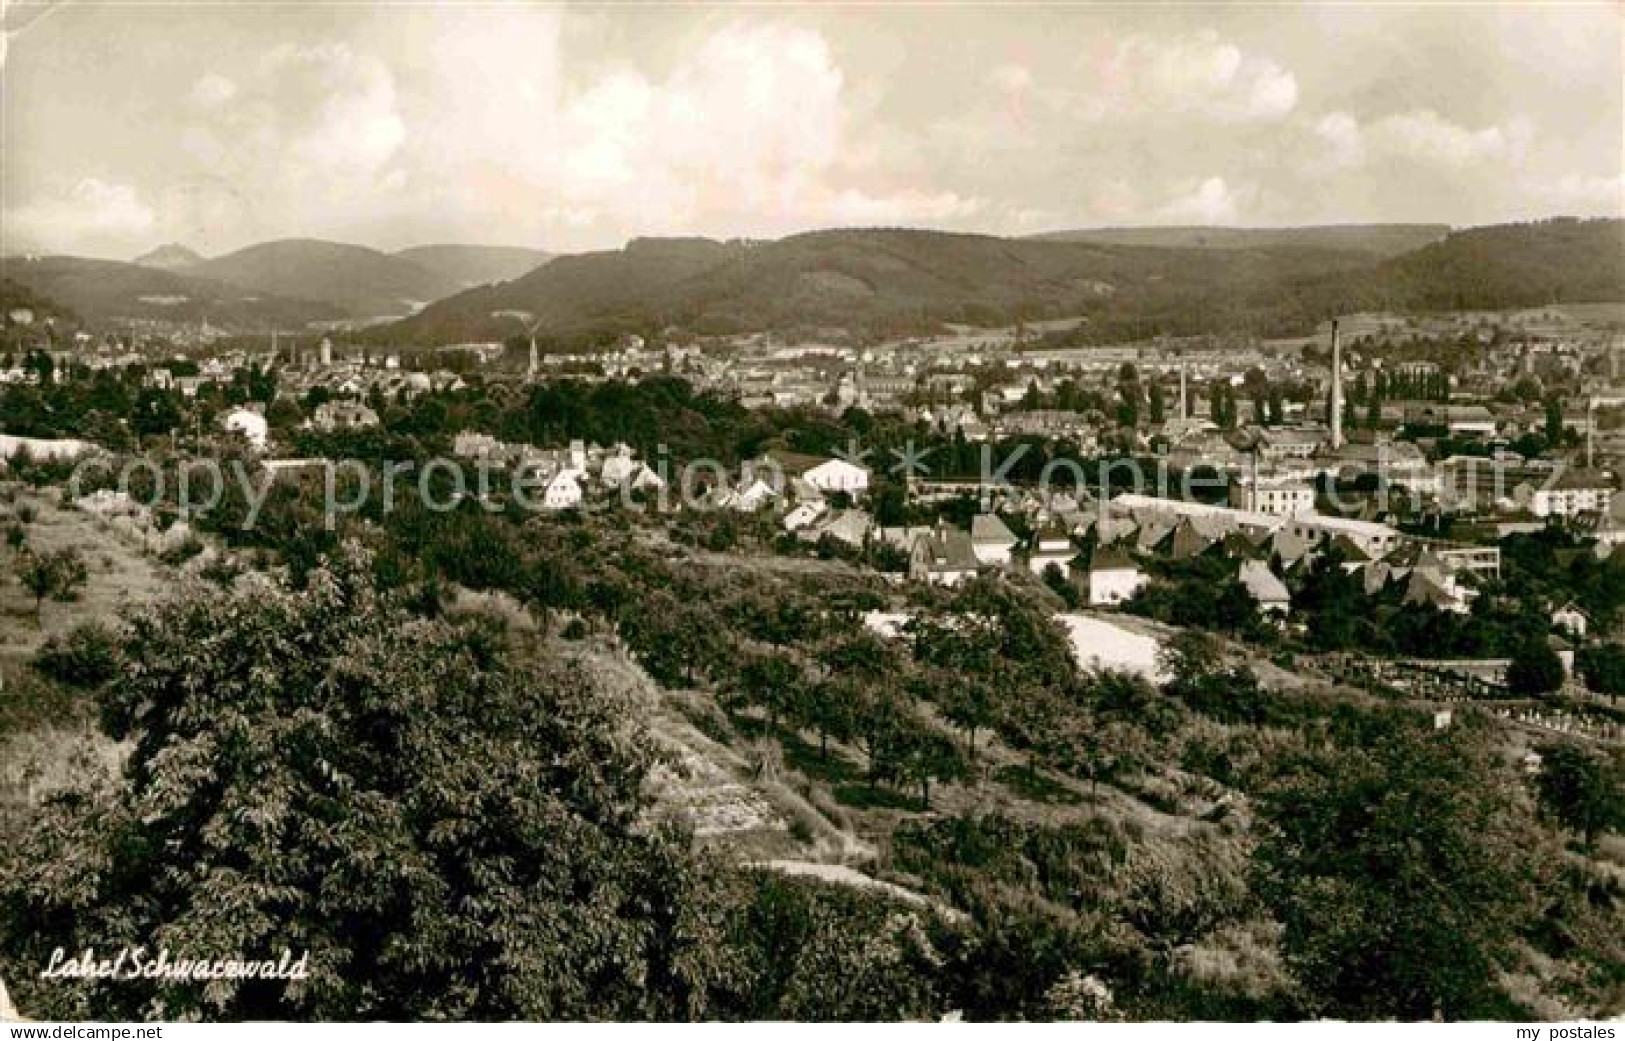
(574, 128)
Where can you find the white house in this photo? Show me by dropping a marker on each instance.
(803, 515)
(1570, 494)
(1571, 618)
(1276, 494)
(753, 496)
(1054, 546)
(1267, 591)
(1113, 577)
(991, 540)
(563, 491)
(826, 475)
(942, 557)
(248, 423)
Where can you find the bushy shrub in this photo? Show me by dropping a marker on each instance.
(88, 656)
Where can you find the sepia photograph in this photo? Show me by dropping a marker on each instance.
(812, 512)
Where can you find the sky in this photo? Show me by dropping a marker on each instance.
(216, 125)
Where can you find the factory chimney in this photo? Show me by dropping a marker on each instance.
(535, 362)
(1337, 389)
(1184, 406)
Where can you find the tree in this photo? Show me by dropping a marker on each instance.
(1403, 869)
(447, 832)
(924, 756)
(1535, 668)
(1603, 666)
(772, 682)
(56, 574)
(1058, 582)
(1581, 789)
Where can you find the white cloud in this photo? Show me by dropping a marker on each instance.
(1201, 74)
(749, 131)
(91, 210)
(1339, 141)
(1211, 202)
(1338, 134)
(312, 128)
(212, 90)
(1012, 78)
(1581, 195)
(1427, 136)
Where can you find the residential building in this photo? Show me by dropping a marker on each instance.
(826, 475)
(1051, 546)
(1113, 577)
(991, 540)
(563, 491)
(249, 423)
(1571, 493)
(1266, 589)
(943, 557)
(343, 415)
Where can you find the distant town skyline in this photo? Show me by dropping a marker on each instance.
(565, 129)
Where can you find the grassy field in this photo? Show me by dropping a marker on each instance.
(45, 729)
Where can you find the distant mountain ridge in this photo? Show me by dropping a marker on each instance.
(362, 282)
(875, 282)
(353, 281)
(1380, 239)
(169, 257)
(471, 265)
(111, 291)
(894, 282)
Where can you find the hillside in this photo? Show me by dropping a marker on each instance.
(877, 282)
(1562, 260)
(111, 291)
(360, 282)
(14, 294)
(469, 266)
(170, 257)
(894, 282)
(1379, 240)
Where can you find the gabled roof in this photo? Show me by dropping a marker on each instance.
(1578, 478)
(1376, 576)
(1241, 545)
(1113, 529)
(1425, 588)
(1262, 584)
(794, 464)
(946, 549)
(1348, 549)
(1111, 558)
(1053, 535)
(1289, 547)
(1151, 534)
(1189, 540)
(986, 529)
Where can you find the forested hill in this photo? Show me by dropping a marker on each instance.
(877, 282)
(16, 295)
(1509, 265)
(1379, 240)
(884, 282)
(113, 292)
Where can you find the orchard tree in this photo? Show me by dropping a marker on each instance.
(1403, 869)
(449, 834)
(1535, 668)
(1582, 789)
(56, 574)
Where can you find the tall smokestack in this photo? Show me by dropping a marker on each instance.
(1337, 389)
(1184, 404)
